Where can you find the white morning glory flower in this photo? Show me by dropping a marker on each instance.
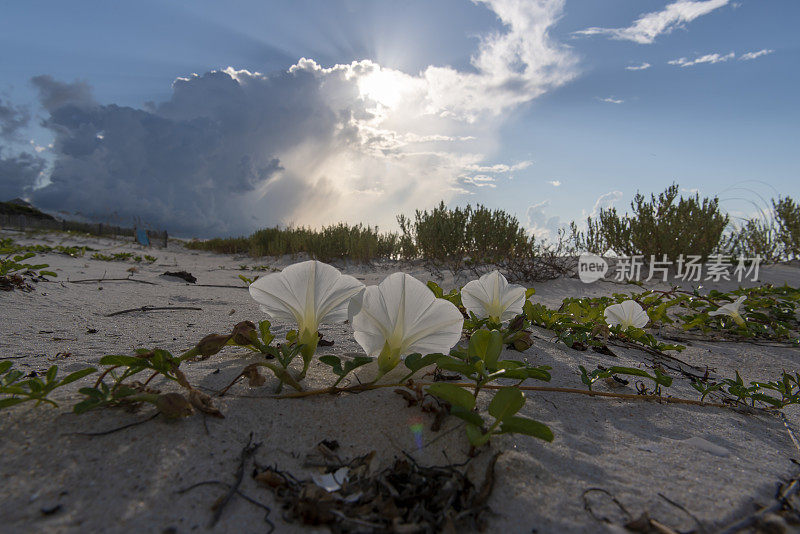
(401, 316)
(492, 296)
(626, 314)
(731, 310)
(308, 293)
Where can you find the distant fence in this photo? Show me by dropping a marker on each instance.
(23, 222)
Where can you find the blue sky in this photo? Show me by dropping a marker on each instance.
(201, 117)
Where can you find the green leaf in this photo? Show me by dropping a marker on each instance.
(35, 385)
(21, 389)
(662, 379)
(415, 362)
(629, 371)
(12, 376)
(476, 436)
(767, 399)
(527, 372)
(585, 377)
(529, 427)
(121, 359)
(451, 364)
(455, 395)
(51, 373)
(48, 273)
(5, 366)
(529, 293)
(437, 291)
(92, 392)
(467, 415)
(77, 375)
(356, 362)
(510, 364)
(335, 362)
(121, 391)
(486, 345)
(6, 403)
(506, 402)
(283, 375)
(266, 335)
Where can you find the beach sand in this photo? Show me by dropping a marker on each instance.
(680, 464)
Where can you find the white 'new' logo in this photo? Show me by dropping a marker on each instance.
(591, 267)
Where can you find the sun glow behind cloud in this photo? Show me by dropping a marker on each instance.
(385, 86)
(312, 145)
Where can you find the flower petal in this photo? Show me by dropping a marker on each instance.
(276, 299)
(492, 294)
(475, 299)
(640, 319)
(437, 330)
(402, 310)
(309, 293)
(627, 313)
(513, 302)
(614, 315)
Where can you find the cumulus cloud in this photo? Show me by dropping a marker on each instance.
(647, 27)
(233, 150)
(643, 66)
(555, 183)
(605, 201)
(753, 55)
(708, 58)
(542, 225)
(611, 100)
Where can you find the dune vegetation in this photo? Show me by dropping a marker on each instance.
(477, 238)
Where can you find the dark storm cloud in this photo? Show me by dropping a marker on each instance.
(54, 94)
(195, 164)
(18, 174)
(12, 119)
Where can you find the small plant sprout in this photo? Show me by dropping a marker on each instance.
(660, 378)
(308, 294)
(17, 387)
(731, 310)
(401, 316)
(626, 314)
(492, 296)
(481, 363)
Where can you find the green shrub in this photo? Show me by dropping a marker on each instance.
(787, 217)
(494, 236)
(357, 243)
(664, 225)
(227, 245)
(462, 237)
(439, 236)
(754, 237)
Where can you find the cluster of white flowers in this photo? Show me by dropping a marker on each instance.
(631, 314)
(399, 316)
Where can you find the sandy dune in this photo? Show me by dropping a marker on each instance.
(716, 465)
